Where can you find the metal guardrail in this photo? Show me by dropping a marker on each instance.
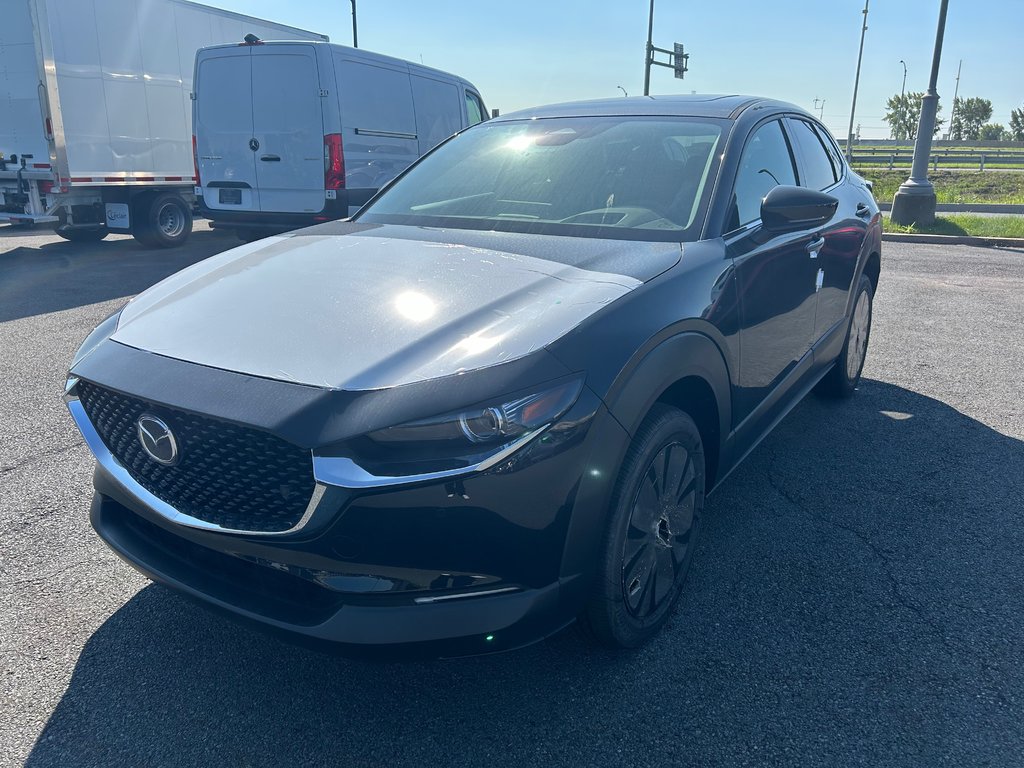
(900, 156)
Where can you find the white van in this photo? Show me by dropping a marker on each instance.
(290, 134)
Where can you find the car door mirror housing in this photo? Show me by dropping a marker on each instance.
(787, 208)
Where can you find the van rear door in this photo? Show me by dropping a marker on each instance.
(287, 109)
(224, 129)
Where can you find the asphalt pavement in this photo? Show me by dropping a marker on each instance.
(857, 599)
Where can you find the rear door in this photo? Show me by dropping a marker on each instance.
(224, 129)
(822, 169)
(288, 128)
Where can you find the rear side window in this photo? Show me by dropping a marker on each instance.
(474, 109)
(375, 98)
(766, 163)
(833, 151)
(817, 170)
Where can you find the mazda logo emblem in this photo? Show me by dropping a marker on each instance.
(157, 440)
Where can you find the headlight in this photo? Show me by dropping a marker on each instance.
(471, 440)
(488, 425)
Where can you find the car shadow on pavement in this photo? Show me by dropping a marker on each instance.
(54, 276)
(856, 599)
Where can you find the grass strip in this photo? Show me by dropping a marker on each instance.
(955, 186)
(964, 224)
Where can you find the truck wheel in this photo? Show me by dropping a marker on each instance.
(164, 221)
(83, 235)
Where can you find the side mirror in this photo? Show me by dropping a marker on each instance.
(786, 208)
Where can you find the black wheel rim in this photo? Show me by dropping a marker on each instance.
(660, 533)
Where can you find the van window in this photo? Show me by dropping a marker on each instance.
(474, 109)
(438, 111)
(375, 98)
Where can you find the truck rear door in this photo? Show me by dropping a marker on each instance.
(223, 126)
(288, 126)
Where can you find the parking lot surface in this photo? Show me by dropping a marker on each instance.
(857, 599)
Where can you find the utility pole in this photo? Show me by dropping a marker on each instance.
(856, 84)
(821, 114)
(678, 57)
(903, 90)
(355, 32)
(649, 54)
(956, 90)
(915, 199)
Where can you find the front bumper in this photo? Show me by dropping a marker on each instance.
(488, 562)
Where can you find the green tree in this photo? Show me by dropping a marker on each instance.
(992, 132)
(968, 117)
(1017, 124)
(903, 113)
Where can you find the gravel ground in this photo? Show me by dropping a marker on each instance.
(856, 600)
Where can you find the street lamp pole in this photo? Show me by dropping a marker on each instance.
(915, 199)
(903, 88)
(355, 33)
(650, 51)
(856, 84)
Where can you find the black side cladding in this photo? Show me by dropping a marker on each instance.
(229, 475)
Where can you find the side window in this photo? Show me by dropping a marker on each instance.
(766, 163)
(832, 149)
(816, 168)
(474, 109)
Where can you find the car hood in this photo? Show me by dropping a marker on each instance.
(363, 311)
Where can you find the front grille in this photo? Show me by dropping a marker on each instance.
(228, 475)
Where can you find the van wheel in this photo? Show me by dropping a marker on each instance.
(164, 221)
(652, 531)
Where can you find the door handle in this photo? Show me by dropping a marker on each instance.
(270, 158)
(814, 246)
(863, 211)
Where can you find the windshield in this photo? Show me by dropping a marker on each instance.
(642, 178)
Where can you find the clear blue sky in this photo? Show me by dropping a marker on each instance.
(542, 51)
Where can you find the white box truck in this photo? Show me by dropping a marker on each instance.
(290, 134)
(96, 113)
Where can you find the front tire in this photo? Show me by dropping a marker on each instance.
(652, 531)
(842, 380)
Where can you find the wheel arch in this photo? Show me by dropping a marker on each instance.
(687, 371)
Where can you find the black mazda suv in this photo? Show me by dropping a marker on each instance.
(493, 402)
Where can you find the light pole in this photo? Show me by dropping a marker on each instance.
(623, 90)
(355, 33)
(856, 84)
(821, 113)
(956, 90)
(915, 199)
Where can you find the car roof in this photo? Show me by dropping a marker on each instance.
(691, 105)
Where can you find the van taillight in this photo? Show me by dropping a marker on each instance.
(195, 160)
(334, 162)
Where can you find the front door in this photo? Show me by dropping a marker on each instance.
(775, 276)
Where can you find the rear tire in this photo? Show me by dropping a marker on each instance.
(842, 380)
(163, 221)
(652, 531)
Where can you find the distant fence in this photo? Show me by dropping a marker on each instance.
(982, 159)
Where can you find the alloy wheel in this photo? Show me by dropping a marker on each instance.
(660, 530)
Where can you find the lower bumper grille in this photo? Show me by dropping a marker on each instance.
(232, 476)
